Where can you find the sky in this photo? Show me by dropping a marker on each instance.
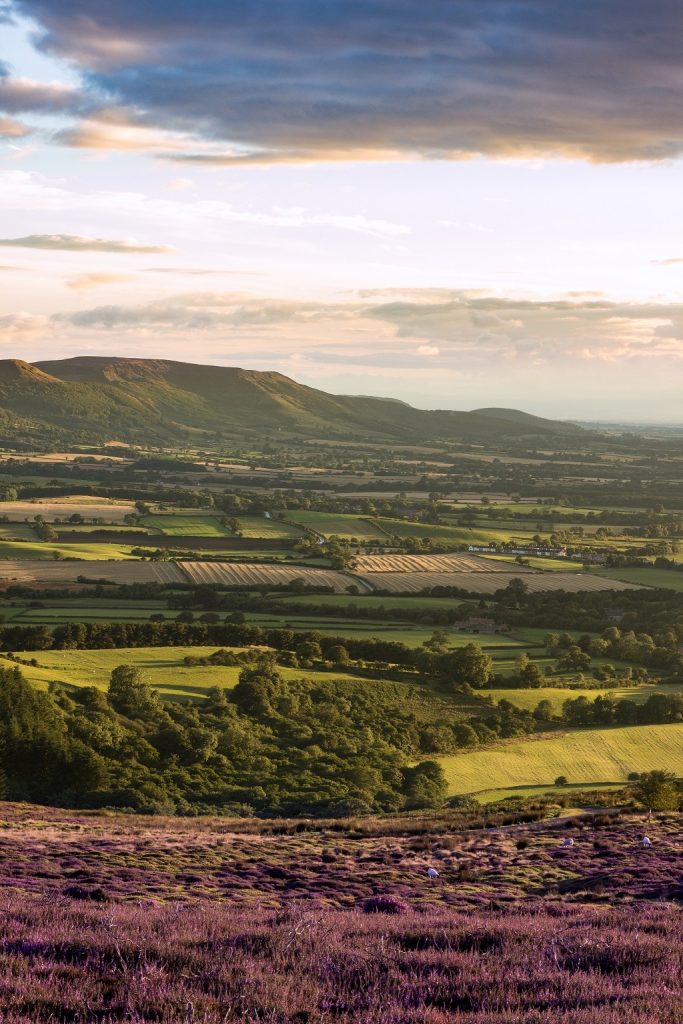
(458, 203)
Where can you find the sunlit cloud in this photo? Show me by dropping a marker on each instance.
(10, 128)
(86, 282)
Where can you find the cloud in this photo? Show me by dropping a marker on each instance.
(77, 243)
(375, 79)
(12, 129)
(200, 271)
(670, 262)
(553, 332)
(24, 95)
(84, 282)
(21, 327)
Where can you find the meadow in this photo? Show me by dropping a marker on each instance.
(330, 524)
(582, 756)
(162, 667)
(529, 698)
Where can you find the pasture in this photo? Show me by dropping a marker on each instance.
(186, 525)
(583, 756)
(162, 667)
(528, 698)
(667, 579)
(331, 524)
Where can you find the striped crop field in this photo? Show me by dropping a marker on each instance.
(430, 563)
(246, 574)
(587, 755)
(488, 582)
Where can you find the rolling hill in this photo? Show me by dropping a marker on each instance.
(94, 399)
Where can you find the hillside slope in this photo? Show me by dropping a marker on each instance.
(93, 399)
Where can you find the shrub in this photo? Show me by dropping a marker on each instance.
(384, 905)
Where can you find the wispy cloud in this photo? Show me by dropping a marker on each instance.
(85, 282)
(78, 243)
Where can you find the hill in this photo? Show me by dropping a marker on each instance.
(94, 399)
(525, 419)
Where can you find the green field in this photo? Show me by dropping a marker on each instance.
(413, 601)
(37, 549)
(329, 524)
(162, 667)
(668, 579)
(268, 529)
(584, 756)
(78, 610)
(17, 531)
(490, 796)
(529, 698)
(186, 525)
(361, 629)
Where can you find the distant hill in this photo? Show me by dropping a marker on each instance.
(525, 419)
(93, 399)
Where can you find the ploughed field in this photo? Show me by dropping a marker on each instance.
(134, 919)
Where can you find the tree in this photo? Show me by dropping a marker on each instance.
(659, 791)
(129, 694)
(424, 785)
(469, 664)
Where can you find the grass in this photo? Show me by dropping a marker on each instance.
(199, 525)
(44, 550)
(78, 610)
(18, 531)
(490, 796)
(162, 667)
(582, 756)
(667, 579)
(330, 524)
(529, 698)
(404, 632)
(267, 529)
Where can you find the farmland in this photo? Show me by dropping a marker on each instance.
(461, 563)
(329, 524)
(584, 756)
(175, 525)
(238, 574)
(488, 583)
(89, 508)
(55, 573)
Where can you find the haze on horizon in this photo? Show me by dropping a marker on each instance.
(453, 204)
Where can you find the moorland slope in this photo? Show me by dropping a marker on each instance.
(92, 399)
